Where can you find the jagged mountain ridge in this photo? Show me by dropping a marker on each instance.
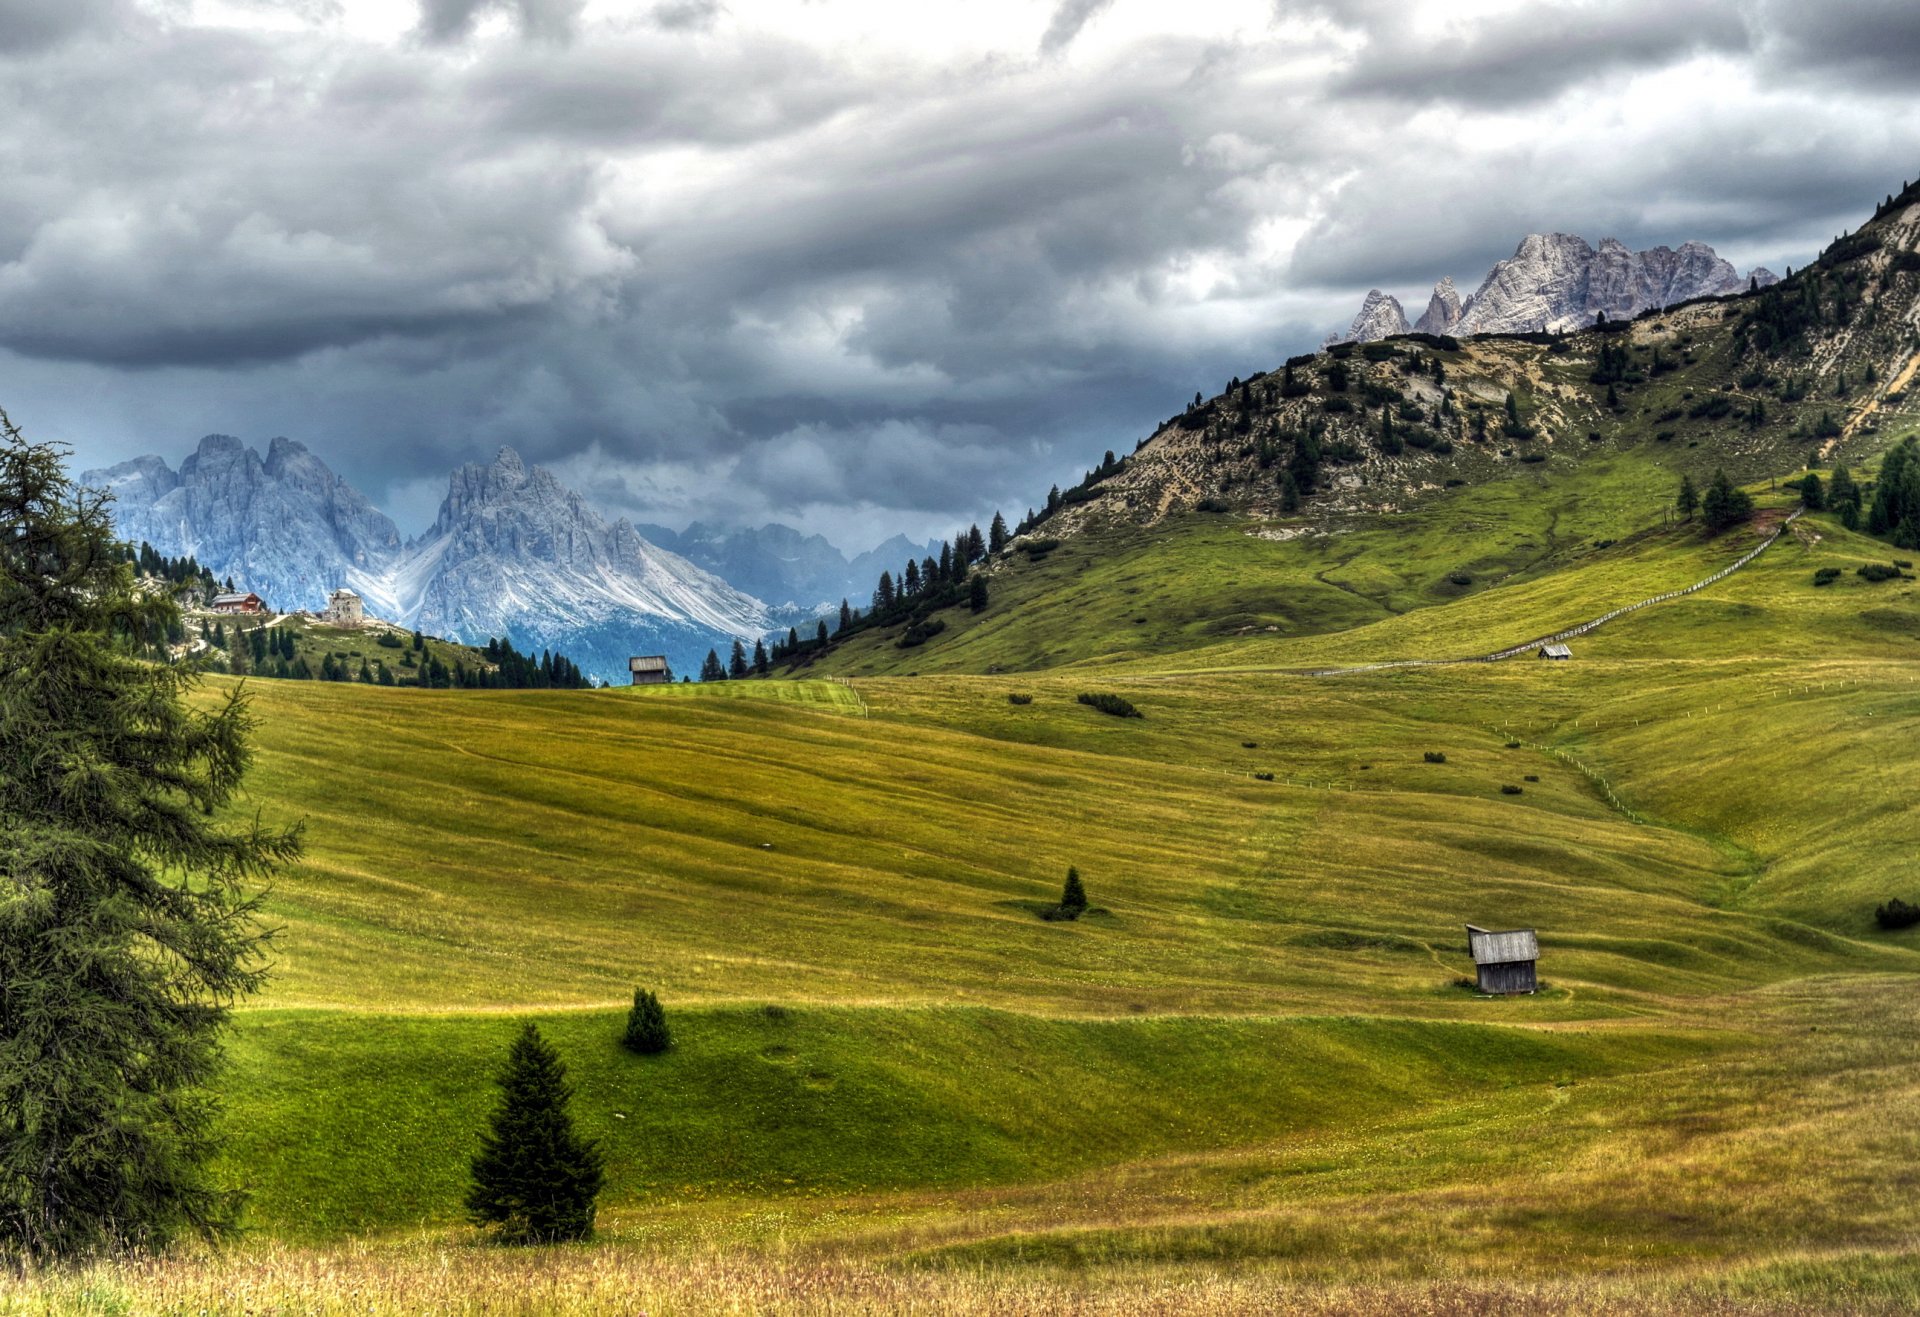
(1555, 282)
(512, 553)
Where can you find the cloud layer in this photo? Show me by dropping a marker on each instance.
(826, 264)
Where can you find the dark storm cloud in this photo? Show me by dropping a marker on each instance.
(32, 25)
(708, 269)
(1534, 52)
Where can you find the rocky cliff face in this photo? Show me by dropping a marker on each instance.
(285, 526)
(1557, 281)
(512, 553)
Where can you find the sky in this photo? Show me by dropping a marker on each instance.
(857, 266)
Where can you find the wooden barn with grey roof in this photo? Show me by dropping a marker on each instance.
(1504, 962)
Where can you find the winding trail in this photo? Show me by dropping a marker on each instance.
(1580, 630)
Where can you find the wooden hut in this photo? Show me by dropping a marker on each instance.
(238, 602)
(1555, 651)
(1505, 961)
(649, 670)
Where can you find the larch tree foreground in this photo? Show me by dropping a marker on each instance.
(128, 910)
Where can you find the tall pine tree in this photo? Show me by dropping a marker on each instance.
(127, 914)
(534, 1177)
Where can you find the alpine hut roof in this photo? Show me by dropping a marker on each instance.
(1555, 651)
(647, 663)
(1502, 948)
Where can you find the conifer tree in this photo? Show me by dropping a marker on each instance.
(534, 1177)
(846, 615)
(737, 663)
(883, 593)
(366, 673)
(712, 669)
(126, 924)
(1811, 494)
(997, 534)
(1688, 498)
(976, 545)
(910, 579)
(820, 632)
(647, 1031)
(760, 661)
(1723, 504)
(977, 593)
(1073, 895)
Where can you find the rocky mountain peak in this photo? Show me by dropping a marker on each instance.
(1443, 309)
(1381, 316)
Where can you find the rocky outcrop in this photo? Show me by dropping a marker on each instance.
(1442, 315)
(1557, 282)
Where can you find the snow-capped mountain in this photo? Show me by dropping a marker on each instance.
(286, 526)
(512, 553)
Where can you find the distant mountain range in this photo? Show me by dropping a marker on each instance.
(1556, 282)
(512, 553)
(797, 575)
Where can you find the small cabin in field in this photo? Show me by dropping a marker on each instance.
(1504, 962)
(231, 602)
(1555, 652)
(649, 670)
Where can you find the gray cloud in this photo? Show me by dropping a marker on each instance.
(718, 272)
(1069, 16)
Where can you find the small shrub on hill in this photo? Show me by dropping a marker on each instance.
(647, 1031)
(1249, 745)
(1263, 777)
(1017, 697)
(1531, 777)
(1826, 576)
(1877, 571)
(1073, 899)
(1897, 914)
(1513, 745)
(921, 632)
(1213, 505)
(1112, 704)
(1460, 578)
(1510, 790)
(1039, 548)
(1435, 757)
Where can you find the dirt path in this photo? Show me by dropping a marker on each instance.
(1573, 631)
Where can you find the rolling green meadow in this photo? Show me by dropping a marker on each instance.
(1249, 1078)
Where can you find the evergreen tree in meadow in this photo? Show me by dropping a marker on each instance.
(1812, 496)
(997, 534)
(1723, 504)
(1073, 895)
(534, 1177)
(127, 923)
(760, 661)
(737, 664)
(820, 632)
(977, 593)
(647, 1031)
(846, 615)
(712, 669)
